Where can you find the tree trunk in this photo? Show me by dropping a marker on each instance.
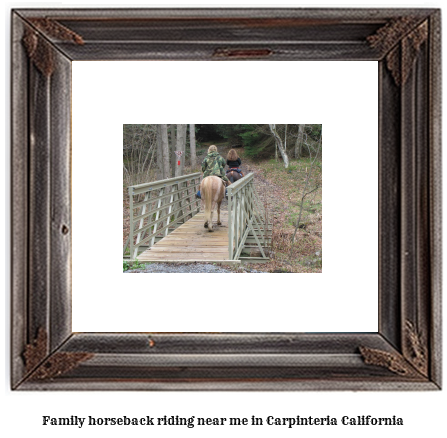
(159, 155)
(183, 157)
(180, 146)
(192, 144)
(165, 151)
(280, 146)
(173, 157)
(299, 141)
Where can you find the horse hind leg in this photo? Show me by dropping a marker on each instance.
(218, 213)
(210, 224)
(219, 203)
(208, 220)
(206, 196)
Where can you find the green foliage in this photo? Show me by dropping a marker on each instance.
(237, 135)
(257, 140)
(137, 265)
(233, 134)
(127, 265)
(309, 207)
(314, 131)
(206, 133)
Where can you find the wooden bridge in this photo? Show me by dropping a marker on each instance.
(166, 224)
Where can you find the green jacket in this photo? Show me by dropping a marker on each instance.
(214, 164)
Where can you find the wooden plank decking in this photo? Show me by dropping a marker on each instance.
(192, 242)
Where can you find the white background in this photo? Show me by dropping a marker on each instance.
(342, 298)
(21, 413)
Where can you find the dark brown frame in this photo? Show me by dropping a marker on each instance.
(405, 354)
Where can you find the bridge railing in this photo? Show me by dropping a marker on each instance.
(247, 218)
(157, 208)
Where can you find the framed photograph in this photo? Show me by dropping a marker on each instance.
(50, 353)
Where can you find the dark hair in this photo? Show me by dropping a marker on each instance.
(232, 155)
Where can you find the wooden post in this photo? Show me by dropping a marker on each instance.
(157, 215)
(241, 213)
(188, 196)
(236, 218)
(168, 219)
(230, 224)
(131, 223)
(142, 211)
(181, 200)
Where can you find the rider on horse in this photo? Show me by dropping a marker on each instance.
(213, 164)
(233, 162)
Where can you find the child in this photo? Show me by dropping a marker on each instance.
(233, 162)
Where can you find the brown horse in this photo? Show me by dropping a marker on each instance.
(234, 176)
(212, 191)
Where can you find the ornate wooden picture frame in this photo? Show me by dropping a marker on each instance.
(405, 353)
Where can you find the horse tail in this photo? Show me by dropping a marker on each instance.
(207, 190)
(231, 177)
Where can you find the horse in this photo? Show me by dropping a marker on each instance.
(234, 175)
(212, 191)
